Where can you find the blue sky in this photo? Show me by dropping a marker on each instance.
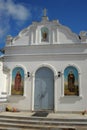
(16, 15)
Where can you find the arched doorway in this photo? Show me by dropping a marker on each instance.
(44, 89)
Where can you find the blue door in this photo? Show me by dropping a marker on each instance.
(44, 89)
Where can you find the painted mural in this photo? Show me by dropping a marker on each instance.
(17, 87)
(71, 81)
(44, 34)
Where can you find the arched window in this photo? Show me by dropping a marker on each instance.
(17, 87)
(71, 81)
(44, 34)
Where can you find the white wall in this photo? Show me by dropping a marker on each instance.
(62, 103)
(63, 49)
(3, 84)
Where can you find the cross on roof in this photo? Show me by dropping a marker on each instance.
(45, 12)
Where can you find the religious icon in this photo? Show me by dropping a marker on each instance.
(44, 34)
(17, 81)
(71, 82)
(17, 84)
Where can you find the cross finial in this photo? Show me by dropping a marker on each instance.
(45, 12)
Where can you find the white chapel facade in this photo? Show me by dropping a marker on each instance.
(45, 68)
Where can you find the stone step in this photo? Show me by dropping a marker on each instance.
(43, 118)
(5, 128)
(41, 121)
(24, 123)
(30, 126)
(38, 123)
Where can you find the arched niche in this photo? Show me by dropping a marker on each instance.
(17, 85)
(71, 81)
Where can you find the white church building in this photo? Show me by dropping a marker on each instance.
(45, 68)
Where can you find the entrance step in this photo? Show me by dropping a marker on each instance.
(39, 123)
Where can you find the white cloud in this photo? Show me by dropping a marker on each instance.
(16, 11)
(4, 24)
(9, 10)
(3, 31)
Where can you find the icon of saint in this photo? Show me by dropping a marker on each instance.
(44, 36)
(17, 84)
(71, 82)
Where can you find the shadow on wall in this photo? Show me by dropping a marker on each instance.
(15, 99)
(69, 99)
(68, 129)
(64, 129)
